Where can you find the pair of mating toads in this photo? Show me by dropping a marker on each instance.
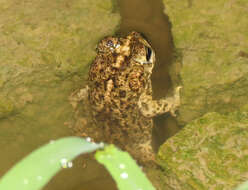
(119, 94)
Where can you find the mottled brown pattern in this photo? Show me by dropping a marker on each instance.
(118, 78)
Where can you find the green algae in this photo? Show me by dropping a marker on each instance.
(210, 152)
(211, 38)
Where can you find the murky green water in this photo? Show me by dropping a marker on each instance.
(37, 124)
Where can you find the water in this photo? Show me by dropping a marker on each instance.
(124, 175)
(86, 174)
(42, 123)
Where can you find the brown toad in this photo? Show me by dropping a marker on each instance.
(120, 94)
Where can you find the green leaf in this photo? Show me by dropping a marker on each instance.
(123, 169)
(243, 186)
(35, 170)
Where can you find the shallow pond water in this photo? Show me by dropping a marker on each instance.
(20, 135)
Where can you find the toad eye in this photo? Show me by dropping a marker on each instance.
(148, 54)
(110, 43)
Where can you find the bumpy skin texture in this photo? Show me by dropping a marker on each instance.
(120, 94)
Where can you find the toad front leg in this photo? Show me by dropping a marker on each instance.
(151, 108)
(78, 96)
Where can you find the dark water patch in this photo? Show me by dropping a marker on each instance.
(86, 174)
